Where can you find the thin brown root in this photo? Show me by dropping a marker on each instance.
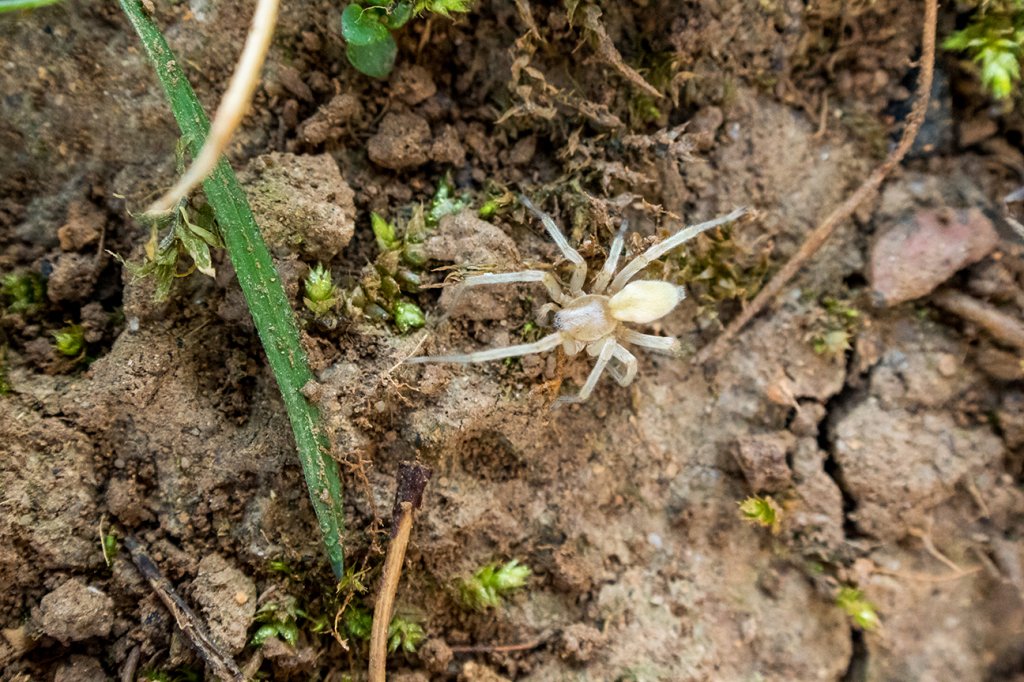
(817, 238)
(232, 107)
(928, 577)
(501, 648)
(412, 479)
(222, 666)
(1002, 327)
(925, 536)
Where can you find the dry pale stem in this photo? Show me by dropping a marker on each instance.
(1002, 327)
(817, 238)
(232, 108)
(412, 479)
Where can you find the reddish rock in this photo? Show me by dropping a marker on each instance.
(911, 258)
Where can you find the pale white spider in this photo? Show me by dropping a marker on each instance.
(594, 321)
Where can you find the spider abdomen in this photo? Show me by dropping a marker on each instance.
(587, 318)
(645, 301)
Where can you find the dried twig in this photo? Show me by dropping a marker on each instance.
(412, 479)
(220, 664)
(1002, 327)
(501, 648)
(590, 17)
(232, 107)
(817, 238)
(131, 665)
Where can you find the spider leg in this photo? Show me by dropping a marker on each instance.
(547, 343)
(546, 278)
(579, 266)
(612, 262)
(603, 356)
(628, 361)
(660, 344)
(660, 249)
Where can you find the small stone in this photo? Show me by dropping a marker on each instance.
(401, 142)
(73, 278)
(947, 364)
(290, 78)
(447, 148)
(75, 612)
(466, 240)
(579, 643)
(808, 417)
(80, 669)
(914, 256)
(436, 655)
(478, 672)
(126, 502)
(329, 120)
(976, 130)
(412, 84)
(227, 598)
(762, 457)
(999, 364)
(301, 203)
(523, 151)
(704, 126)
(83, 227)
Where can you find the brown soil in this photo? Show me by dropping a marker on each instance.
(892, 442)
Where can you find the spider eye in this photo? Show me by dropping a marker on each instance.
(645, 301)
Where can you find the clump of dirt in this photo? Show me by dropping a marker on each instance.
(302, 203)
(889, 439)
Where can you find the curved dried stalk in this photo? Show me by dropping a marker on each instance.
(232, 107)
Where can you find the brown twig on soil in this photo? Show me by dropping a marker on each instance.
(501, 648)
(232, 107)
(817, 238)
(1001, 326)
(927, 577)
(220, 664)
(131, 665)
(925, 536)
(412, 479)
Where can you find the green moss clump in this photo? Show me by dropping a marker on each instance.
(492, 583)
(22, 292)
(385, 286)
(404, 634)
(835, 328)
(994, 39)
(761, 511)
(322, 296)
(861, 611)
(70, 341)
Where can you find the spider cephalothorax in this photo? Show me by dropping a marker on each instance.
(595, 320)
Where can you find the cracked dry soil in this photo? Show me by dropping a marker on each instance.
(896, 462)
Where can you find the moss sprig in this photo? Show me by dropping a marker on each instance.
(761, 511)
(492, 583)
(383, 293)
(404, 634)
(994, 39)
(855, 605)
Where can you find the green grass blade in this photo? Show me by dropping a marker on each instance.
(261, 286)
(15, 5)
